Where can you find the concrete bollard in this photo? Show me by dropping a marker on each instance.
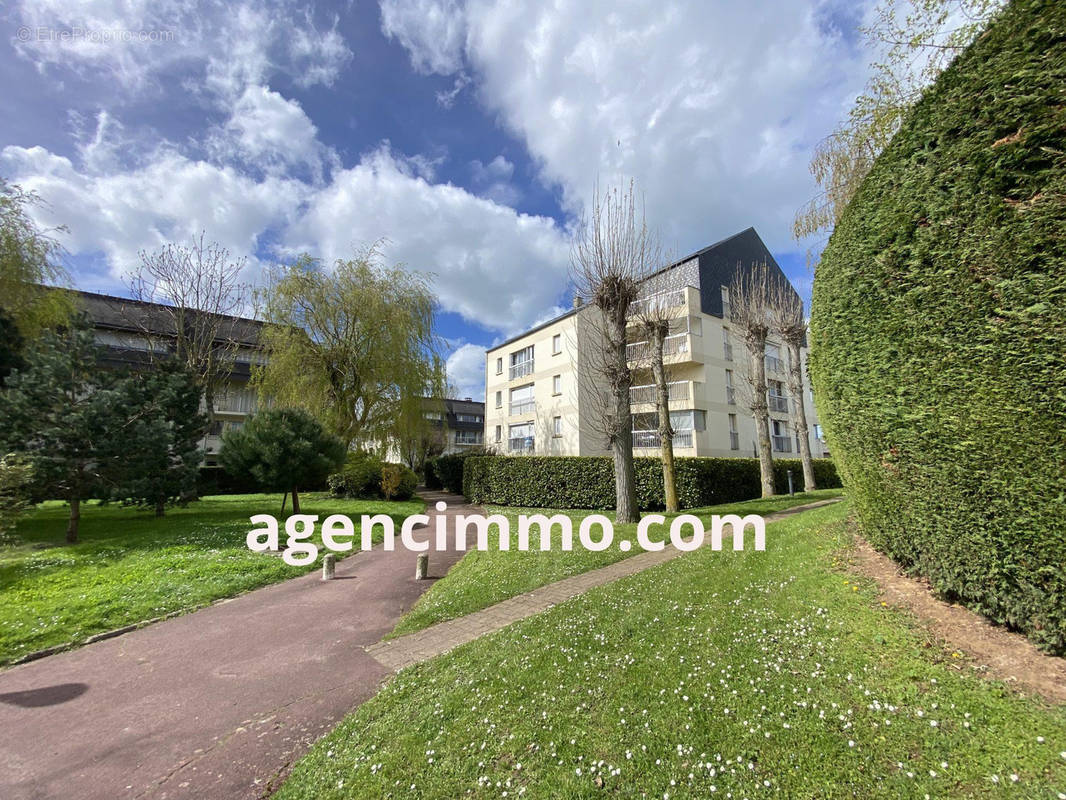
(422, 567)
(329, 566)
(791, 490)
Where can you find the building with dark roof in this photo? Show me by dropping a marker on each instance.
(541, 394)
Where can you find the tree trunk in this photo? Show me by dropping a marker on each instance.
(75, 517)
(160, 508)
(284, 497)
(666, 431)
(295, 501)
(795, 388)
(759, 412)
(625, 489)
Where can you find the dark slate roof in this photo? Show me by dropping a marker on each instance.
(452, 407)
(718, 264)
(135, 316)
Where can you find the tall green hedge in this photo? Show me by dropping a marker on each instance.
(588, 481)
(939, 331)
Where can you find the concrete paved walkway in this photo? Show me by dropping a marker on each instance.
(395, 654)
(213, 704)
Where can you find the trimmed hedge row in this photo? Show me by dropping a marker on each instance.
(588, 481)
(360, 477)
(446, 472)
(938, 331)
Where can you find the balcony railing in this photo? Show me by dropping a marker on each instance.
(471, 438)
(779, 404)
(647, 439)
(675, 390)
(523, 407)
(774, 364)
(523, 444)
(521, 369)
(672, 345)
(782, 444)
(731, 395)
(734, 440)
(661, 300)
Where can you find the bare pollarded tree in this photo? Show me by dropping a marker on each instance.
(750, 311)
(199, 289)
(612, 252)
(788, 322)
(654, 318)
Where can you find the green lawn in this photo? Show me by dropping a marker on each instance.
(713, 675)
(132, 566)
(483, 578)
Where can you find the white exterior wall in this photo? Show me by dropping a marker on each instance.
(699, 366)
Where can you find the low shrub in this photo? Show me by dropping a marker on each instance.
(362, 474)
(588, 481)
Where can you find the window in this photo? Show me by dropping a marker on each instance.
(522, 401)
(557, 426)
(725, 303)
(521, 363)
(499, 365)
(468, 418)
(468, 437)
(773, 359)
(730, 391)
(433, 415)
(557, 344)
(520, 438)
(727, 345)
(499, 432)
(499, 399)
(734, 434)
(782, 442)
(778, 400)
(557, 384)
(818, 433)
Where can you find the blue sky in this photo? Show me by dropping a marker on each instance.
(467, 136)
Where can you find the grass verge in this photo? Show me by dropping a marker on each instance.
(483, 578)
(713, 675)
(131, 566)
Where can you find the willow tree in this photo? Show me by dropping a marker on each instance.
(612, 252)
(750, 312)
(653, 318)
(789, 324)
(352, 344)
(29, 258)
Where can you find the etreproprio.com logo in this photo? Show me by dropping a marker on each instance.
(686, 532)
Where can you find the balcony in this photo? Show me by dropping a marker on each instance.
(670, 299)
(650, 439)
(467, 438)
(675, 344)
(522, 407)
(675, 391)
(774, 364)
(778, 404)
(782, 444)
(521, 369)
(523, 444)
(734, 440)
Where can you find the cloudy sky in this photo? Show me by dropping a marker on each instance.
(467, 135)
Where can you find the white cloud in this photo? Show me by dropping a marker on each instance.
(493, 180)
(169, 199)
(134, 42)
(431, 30)
(711, 107)
(466, 371)
(272, 133)
(492, 264)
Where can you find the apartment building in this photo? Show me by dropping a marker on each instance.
(134, 333)
(461, 422)
(542, 397)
